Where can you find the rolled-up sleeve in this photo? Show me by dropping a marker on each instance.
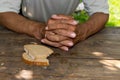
(93, 6)
(10, 6)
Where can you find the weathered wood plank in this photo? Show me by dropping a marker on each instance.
(65, 69)
(84, 49)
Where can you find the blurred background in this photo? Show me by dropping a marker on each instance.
(114, 19)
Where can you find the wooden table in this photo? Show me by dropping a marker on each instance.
(97, 58)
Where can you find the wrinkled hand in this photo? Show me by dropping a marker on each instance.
(61, 32)
(63, 28)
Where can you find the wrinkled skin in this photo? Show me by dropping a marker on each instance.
(63, 31)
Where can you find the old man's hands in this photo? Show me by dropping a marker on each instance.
(62, 32)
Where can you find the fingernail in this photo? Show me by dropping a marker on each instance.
(42, 40)
(54, 15)
(46, 28)
(73, 35)
(66, 49)
(70, 44)
(75, 22)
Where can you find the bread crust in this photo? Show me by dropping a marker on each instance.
(32, 62)
(36, 54)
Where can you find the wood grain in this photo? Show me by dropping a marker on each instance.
(96, 58)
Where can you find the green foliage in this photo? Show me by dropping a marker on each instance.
(81, 16)
(114, 8)
(114, 19)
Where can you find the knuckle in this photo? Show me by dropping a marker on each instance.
(57, 39)
(59, 31)
(50, 21)
(57, 45)
(64, 26)
(72, 28)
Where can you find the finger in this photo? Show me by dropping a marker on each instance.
(65, 33)
(54, 44)
(53, 37)
(70, 22)
(68, 43)
(61, 17)
(64, 48)
(60, 26)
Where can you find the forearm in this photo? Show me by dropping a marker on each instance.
(18, 23)
(13, 21)
(95, 23)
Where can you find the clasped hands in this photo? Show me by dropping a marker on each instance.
(60, 32)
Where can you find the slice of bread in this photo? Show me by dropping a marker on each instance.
(36, 54)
